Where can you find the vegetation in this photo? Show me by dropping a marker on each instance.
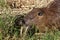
(9, 32)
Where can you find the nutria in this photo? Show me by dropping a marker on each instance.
(44, 18)
(48, 17)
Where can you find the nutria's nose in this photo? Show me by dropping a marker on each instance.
(27, 22)
(19, 21)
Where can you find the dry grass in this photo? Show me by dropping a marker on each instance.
(9, 32)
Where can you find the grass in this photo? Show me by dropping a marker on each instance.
(9, 32)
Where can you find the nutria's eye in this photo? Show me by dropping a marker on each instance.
(40, 13)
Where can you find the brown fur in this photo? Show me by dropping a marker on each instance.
(49, 19)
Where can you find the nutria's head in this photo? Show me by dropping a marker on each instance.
(43, 18)
(34, 16)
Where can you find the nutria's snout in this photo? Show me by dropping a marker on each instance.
(19, 21)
